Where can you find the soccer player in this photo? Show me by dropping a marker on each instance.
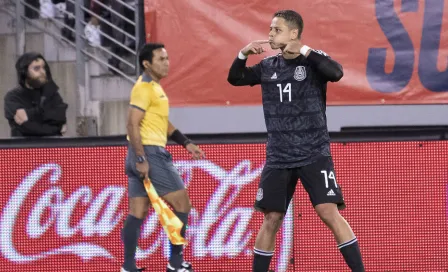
(148, 127)
(293, 86)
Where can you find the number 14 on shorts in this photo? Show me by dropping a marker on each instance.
(327, 176)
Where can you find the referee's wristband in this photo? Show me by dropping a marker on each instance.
(304, 50)
(180, 138)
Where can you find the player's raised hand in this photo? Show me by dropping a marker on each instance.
(255, 47)
(293, 47)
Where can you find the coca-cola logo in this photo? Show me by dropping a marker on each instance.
(221, 229)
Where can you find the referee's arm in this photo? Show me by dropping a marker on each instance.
(329, 69)
(138, 104)
(240, 75)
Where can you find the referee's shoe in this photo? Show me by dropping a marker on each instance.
(137, 270)
(186, 267)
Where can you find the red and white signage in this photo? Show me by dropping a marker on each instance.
(62, 209)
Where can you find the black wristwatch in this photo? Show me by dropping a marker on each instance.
(141, 159)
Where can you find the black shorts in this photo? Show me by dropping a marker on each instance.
(277, 186)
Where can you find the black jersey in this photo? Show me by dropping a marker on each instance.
(294, 103)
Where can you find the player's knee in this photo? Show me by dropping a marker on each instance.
(328, 213)
(273, 221)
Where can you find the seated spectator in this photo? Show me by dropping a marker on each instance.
(32, 9)
(69, 19)
(35, 108)
(118, 35)
(93, 29)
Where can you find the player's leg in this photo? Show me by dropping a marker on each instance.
(170, 186)
(265, 242)
(138, 209)
(319, 180)
(345, 238)
(273, 197)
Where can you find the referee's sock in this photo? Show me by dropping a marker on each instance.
(262, 260)
(130, 234)
(177, 251)
(352, 255)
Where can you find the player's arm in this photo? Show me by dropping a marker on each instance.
(239, 74)
(139, 104)
(329, 69)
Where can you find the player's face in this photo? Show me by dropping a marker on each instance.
(280, 33)
(37, 75)
(160, 63)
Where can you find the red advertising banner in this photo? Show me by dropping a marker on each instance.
(393, 52)
(62, 210)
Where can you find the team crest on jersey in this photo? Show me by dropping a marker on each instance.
(300, 73)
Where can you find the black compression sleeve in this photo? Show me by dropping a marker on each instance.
(328, 68)
(180, 138)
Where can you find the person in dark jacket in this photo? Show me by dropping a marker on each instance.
(35, 108)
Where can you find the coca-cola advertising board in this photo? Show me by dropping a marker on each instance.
(62, 209)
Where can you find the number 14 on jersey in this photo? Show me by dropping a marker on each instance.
(286, 89)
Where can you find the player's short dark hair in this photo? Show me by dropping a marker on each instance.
(292, 18)
(147, 52)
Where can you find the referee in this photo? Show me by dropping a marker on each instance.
(294, 85)
(148, 127)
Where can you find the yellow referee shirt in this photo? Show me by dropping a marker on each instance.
(149, 97)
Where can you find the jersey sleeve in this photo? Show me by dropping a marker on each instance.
(255, 71)
(328, 69)
(141, 97)
(322, 53)
(240, 75)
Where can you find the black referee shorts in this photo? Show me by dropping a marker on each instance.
(277, 186)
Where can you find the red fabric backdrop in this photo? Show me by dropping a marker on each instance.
(393, 52)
